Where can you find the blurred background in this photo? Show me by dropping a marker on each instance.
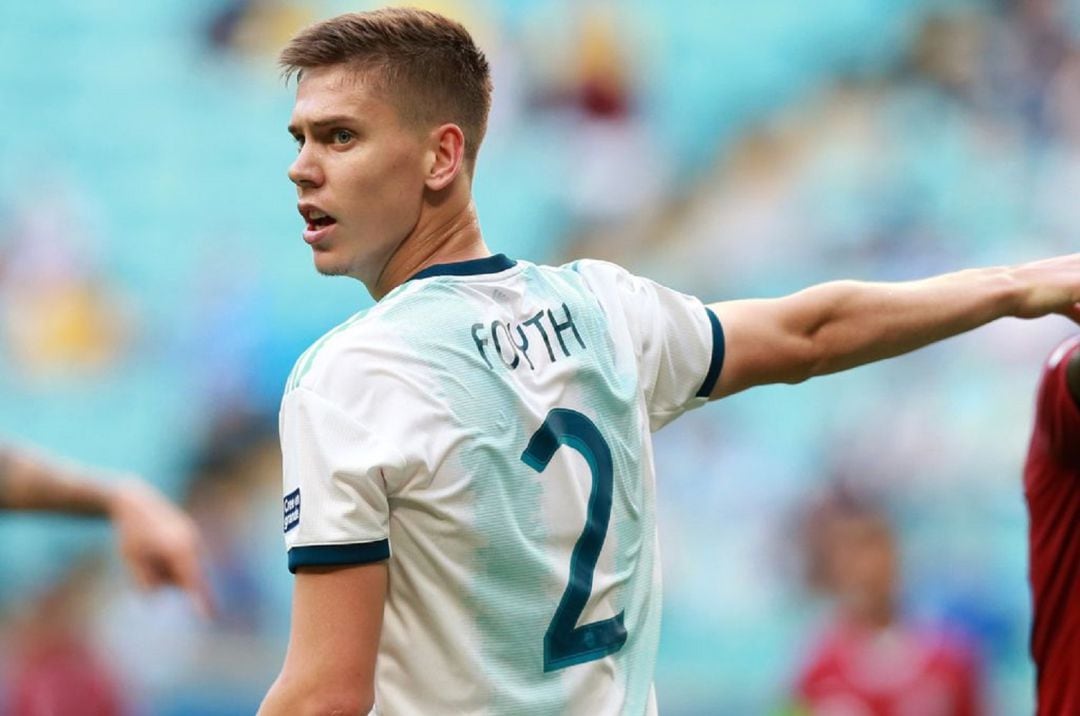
(154, 292)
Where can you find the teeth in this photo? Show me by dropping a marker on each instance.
(315, 214)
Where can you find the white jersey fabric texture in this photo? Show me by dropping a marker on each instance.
(486, 429)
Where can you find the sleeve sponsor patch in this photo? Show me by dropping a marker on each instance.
(292, 509)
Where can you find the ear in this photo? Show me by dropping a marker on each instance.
(446, 156)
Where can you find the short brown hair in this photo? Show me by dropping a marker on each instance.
(428, 65)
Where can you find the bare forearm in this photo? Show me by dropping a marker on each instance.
(32, 482)
(839, 325)
(850, 323)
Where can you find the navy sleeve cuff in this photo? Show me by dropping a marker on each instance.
(331, 555)
(717, 361)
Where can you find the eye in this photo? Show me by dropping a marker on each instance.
(342, 136)
(299, 139)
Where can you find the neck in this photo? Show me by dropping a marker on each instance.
(447, 231)
(870, 616)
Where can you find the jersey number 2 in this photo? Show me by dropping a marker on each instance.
(566, 643)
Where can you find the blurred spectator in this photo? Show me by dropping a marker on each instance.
(225, 23)
(614, 168)
(870, 662)
(54, 669)
(217, 669)
(59, 314)
(1031, 44)
(252, 27)
(240, 459)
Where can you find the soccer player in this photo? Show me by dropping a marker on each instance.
(1052, 489)
(468, 482)
(158, 542)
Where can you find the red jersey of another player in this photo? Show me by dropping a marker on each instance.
(1052, 489)
(898, 671)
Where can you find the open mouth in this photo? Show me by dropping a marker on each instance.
(319, 223)
(318, 220)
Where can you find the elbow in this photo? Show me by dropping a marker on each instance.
(800, 372)
(316, 699)
(817, 367)
(806, 360)
(338, 704)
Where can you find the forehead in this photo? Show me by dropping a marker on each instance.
(339, 91)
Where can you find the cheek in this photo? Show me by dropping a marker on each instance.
(401, 173)
(389, 185)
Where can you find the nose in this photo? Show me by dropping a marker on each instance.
(305, 171)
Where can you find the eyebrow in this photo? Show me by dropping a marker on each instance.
(326, 122)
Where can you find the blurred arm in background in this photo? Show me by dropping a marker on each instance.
(157, 541)
(843, 324)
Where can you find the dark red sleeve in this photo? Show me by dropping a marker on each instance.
(1057, 415)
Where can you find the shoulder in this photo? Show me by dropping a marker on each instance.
(596, 270)
(612, 282)
(821, 654)
(369, 343)
(1065, 362)
(313, 361)
(383, 355)
(1066, 353)
(1072, 370)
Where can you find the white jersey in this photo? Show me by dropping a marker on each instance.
(486, 428)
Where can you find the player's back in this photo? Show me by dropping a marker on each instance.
(504, 411)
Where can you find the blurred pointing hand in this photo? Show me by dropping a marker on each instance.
(158, 542)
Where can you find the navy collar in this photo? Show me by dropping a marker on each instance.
(472, 267)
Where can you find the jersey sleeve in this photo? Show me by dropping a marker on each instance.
(334, 474)
(1057, 416)
(678, 341)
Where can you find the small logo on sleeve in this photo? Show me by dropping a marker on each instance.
(292, 509)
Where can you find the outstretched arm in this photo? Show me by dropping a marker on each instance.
(158, 542)
(840, 325)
